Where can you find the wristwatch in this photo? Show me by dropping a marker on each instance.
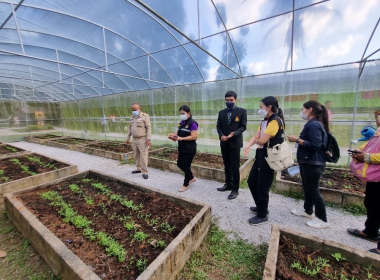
(298, 141)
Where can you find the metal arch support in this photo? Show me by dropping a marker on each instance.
(172, 26)
(184, 35)
(93, 47)
(11, 14)
(18, 30)
(229, 38)
(370, 38)
(151, 57)
(66, 14)
(79, 66)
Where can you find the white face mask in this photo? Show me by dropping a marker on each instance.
(262, 113)
(135, 113)
(184, 117)
(304, 117)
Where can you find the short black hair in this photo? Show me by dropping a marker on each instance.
(230, 93)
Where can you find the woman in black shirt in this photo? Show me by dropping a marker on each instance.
(187, 146)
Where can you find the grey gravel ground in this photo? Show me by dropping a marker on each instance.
(232, 215)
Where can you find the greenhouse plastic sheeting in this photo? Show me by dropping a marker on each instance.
(71, 50)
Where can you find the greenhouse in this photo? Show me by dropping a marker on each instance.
(78, 79)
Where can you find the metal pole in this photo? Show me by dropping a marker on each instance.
(355, 108)
(104, 119)
(80, 118)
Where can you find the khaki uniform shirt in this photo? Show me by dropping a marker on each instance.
(140, 127)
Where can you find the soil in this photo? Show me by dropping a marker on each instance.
(291, 252)
(4, 150)
(117, 147)
(105, 215)
(334, 179)
(205, 160)
(71, 141)
(13, 171)
(45, 136)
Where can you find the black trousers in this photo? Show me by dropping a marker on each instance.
(372, 204)
(184, 163)
(231, 161)
(311, 176)
(259, 182)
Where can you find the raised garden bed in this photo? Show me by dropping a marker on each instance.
(205, 165)
(23, 171)
(69, 143)
(338, 186)
(41, 138)
(108, 149)
(94, 226)
(299, 256)
(7, 150)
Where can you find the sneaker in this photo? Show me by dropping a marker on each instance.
(255, 221)
(254, 210)
(301, 212)
(318, 223)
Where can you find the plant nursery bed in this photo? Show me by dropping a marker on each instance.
(41, 138)
(108, 149)
(7, 150)
(23, 171)
(94, 226)
(338, 186)
(205, 165)
(298, 256)
(69, 143)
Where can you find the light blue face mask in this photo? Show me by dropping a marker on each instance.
(135, 113)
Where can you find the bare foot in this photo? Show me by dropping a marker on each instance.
(183, 188)
(192, 180)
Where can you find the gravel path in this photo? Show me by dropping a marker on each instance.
(232, 215)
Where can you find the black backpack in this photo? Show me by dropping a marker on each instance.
(332, 152)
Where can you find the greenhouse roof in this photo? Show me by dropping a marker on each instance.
(54, 50)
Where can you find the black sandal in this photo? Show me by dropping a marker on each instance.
(374, 251)
(357, 233)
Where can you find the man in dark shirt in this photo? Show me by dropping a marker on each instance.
(231, 124)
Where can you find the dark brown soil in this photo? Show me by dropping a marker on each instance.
(10, 171)
(9, 149)
(205, 160)
(71, 141)
(117, 147)
(291, 252)
(105, 215)
(334, 179)
(45, 136)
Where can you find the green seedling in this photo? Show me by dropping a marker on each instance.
(166, 227)
(338, 257)
(141, 264)
(75, 189)
(89, 200)
(140, 236)
(86, 180)
(11, 149)
(129, 225)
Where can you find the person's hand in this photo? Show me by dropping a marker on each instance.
(127, 142)
(359, 157)
(230, 135)
(292, 138)
(247, 149)
(148, 143)
(376, 113)
(224, 138)
(170, 136)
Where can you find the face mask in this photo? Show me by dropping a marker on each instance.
(304, 117)
(262, 113)
(230, 105)
(184, 117)
(135, 113)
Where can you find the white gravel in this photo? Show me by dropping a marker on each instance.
(232, 215)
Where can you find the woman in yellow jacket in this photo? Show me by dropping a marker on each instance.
(372, 195)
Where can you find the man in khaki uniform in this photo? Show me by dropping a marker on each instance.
(141, 132)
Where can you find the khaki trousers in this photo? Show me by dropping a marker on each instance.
(140, 152)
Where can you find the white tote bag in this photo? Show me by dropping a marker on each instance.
(280, 156)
